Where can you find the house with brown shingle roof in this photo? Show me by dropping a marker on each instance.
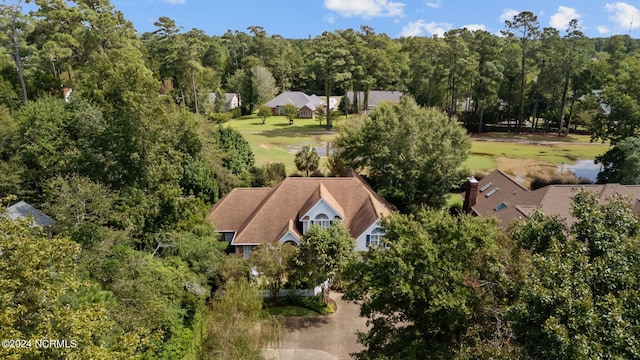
(498, 195)
(247, 217)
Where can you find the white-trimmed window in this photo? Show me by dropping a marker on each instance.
(375, 238)
(321, 220)
(246, 251)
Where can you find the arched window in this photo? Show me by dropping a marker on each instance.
(374, 239)
(290, 242)
(322, 220)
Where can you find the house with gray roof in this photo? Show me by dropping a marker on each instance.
(22, 210)
(375, 98)
(231, 100)
(248, 217)
(306, 104)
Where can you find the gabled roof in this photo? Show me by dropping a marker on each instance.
(23, 210)
(291, 228)
(513, 201)
(297, 98)
(228, 97)
(322, 194)
(376, 96)
(275, 208)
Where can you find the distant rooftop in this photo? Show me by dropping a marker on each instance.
(22, 210)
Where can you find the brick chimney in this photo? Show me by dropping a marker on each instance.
(471, 195)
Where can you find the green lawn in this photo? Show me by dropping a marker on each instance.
(484, 153)
(535, 137)
(275, 123)
(277, 141)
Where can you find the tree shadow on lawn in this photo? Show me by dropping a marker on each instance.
(300, 127)
(305, 322)
(294, 134)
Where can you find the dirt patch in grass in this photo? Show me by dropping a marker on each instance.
(523, 170)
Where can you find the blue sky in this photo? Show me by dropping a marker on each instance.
(304, 18)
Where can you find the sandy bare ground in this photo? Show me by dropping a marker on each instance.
(525, 169)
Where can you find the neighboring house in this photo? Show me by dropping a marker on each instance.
(375, 97)
(247, 217)
(23, 210)
(604, 108)
(498, 195)
(306, 104)
(231, 100)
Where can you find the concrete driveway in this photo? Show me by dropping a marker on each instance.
(322, 337)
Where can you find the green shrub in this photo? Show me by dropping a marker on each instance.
(221, 117)
(314, 303)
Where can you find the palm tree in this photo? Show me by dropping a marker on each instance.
(307, 159)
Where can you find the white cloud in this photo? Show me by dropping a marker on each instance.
(176, 2)
(602, 29)
(626, 16)
(474, 27)
(434, 4)
(560, 20)
(508, 14)
(365, 8)
(330, 19)
(418, 28)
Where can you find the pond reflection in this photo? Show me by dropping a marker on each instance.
(585, 169)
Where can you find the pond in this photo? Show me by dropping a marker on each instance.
(326, 149)
(585, 169)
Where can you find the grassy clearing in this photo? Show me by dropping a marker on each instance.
(534, 137)
(275, 123)
(485, 153)
(277, 141)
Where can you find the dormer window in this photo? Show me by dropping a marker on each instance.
(321, 220)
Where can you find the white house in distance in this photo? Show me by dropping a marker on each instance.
(231, 100)
(247, 217)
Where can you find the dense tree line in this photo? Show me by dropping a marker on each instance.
(530, 72)
(126, 172)
(544, 78)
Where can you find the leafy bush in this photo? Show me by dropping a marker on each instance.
(314, 303)
(221, 117)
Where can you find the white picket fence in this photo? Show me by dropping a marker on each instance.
(301, 292)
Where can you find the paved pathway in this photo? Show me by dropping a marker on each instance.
(331, 337)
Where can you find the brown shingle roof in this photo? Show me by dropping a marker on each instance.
(243, 201)
(321, 193)
(557, 198)
(552, 200)
(264, 218)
